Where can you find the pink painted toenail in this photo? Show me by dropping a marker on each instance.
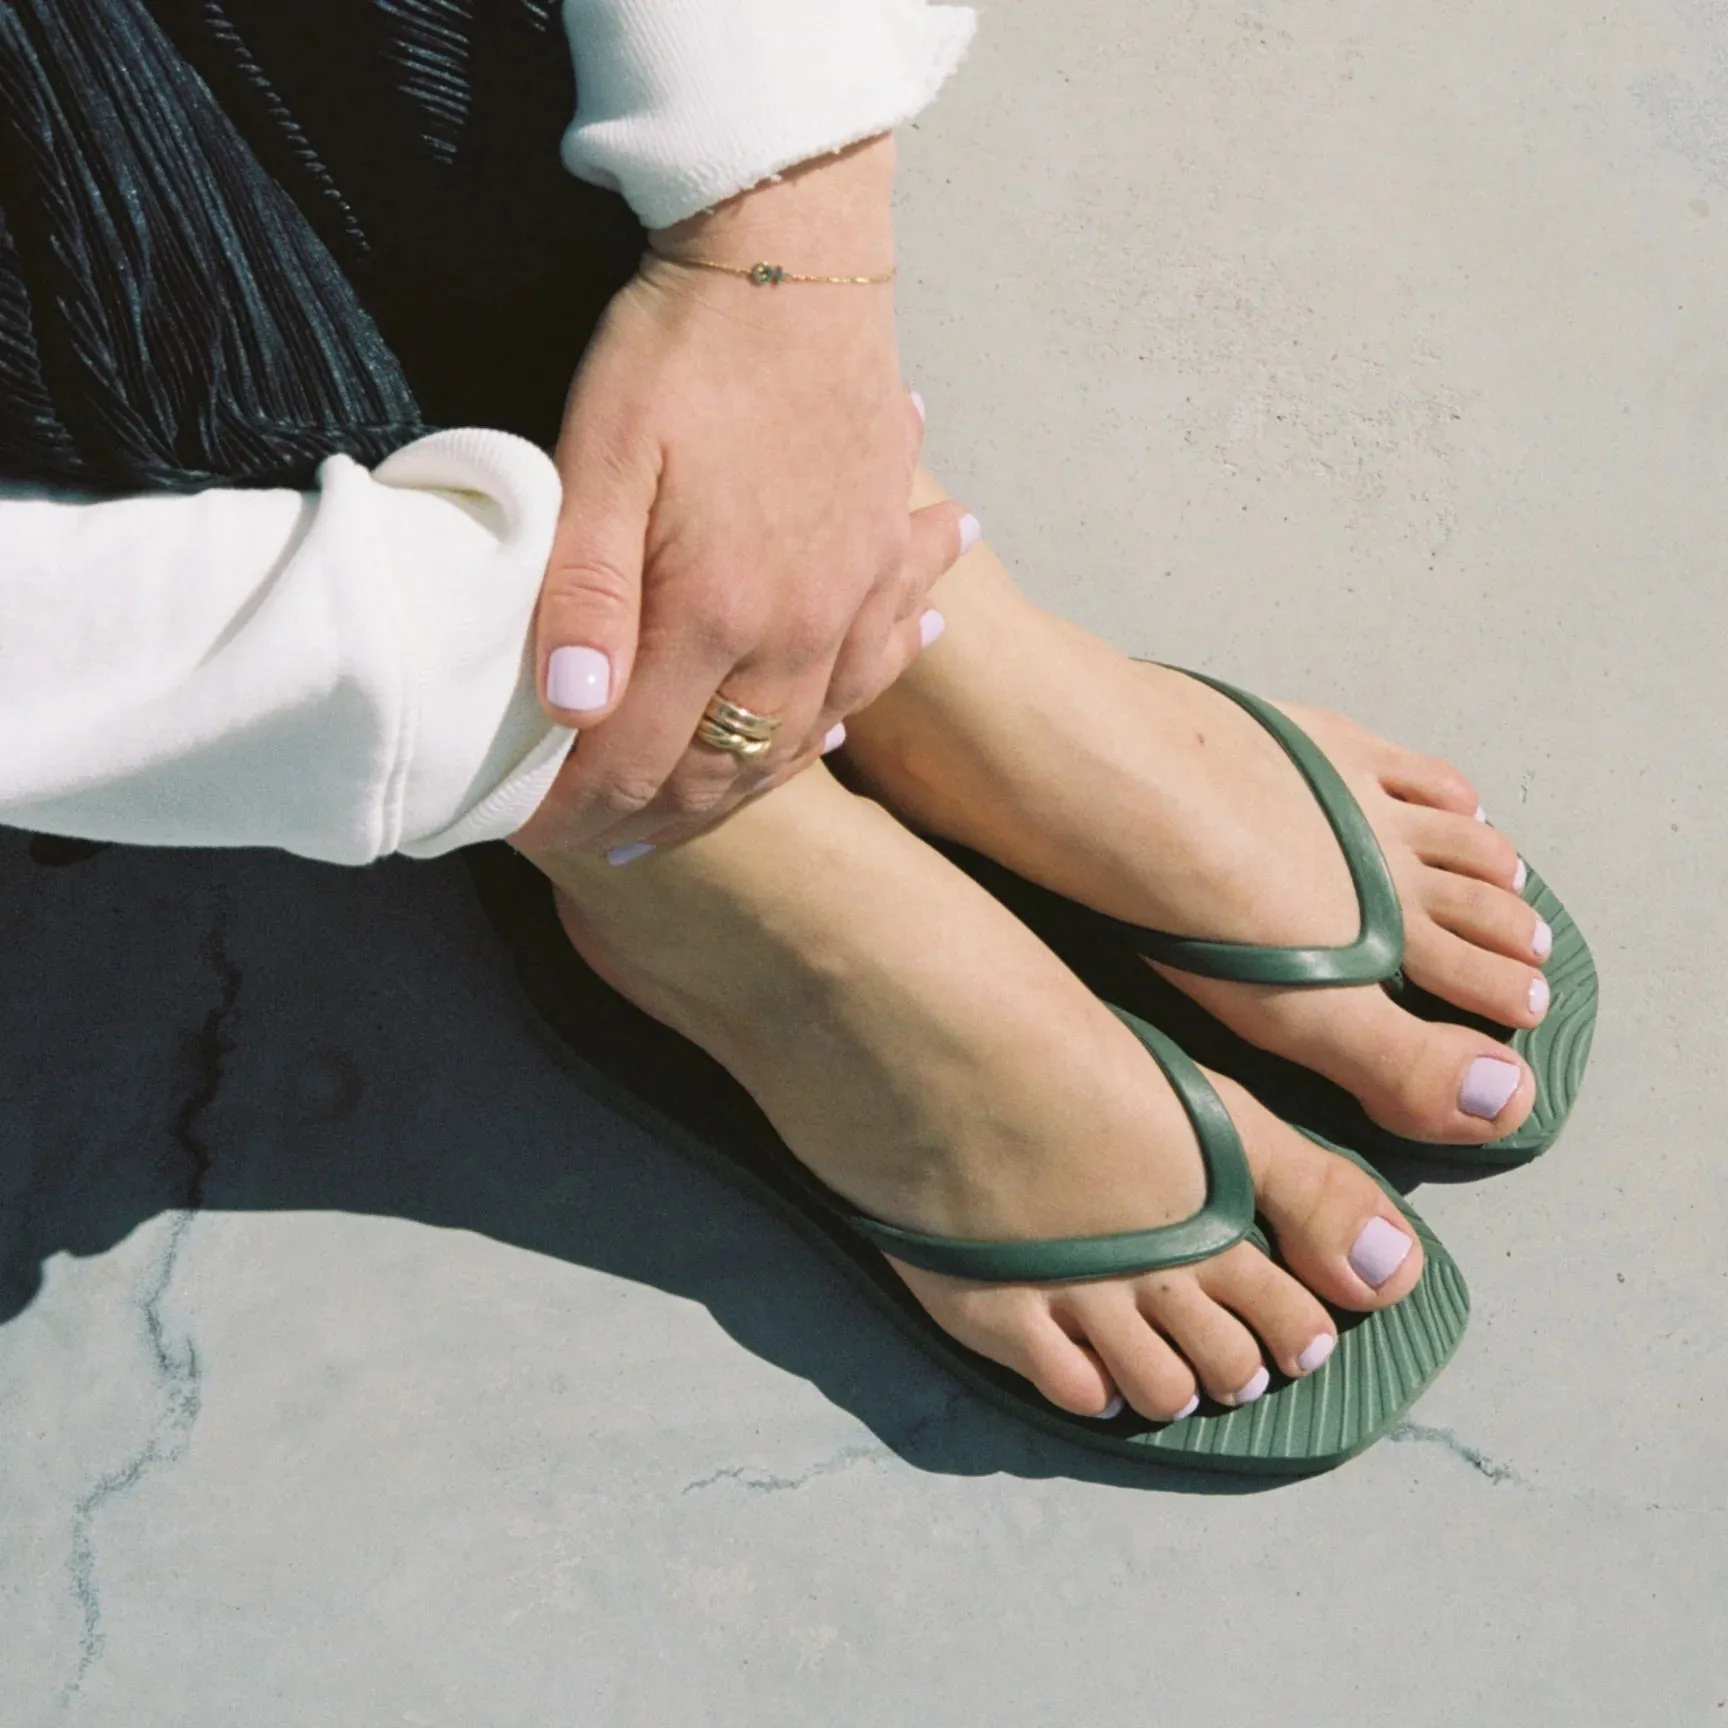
(1114, 1408)
(1256, 1388)
(1317, 1352)
(1542, 943)
(1380, 1249)
(1481, 814)
(1488, 1083)
(1187, 1409)
(1520, 876)
(1540, 995)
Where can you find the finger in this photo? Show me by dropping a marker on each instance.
(869, 662)
(590, 607)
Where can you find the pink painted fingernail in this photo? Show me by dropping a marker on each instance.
(1187, 1409)
(1542, 943)
(1520, 876)
(930, 626)
(918, 403)
(1380, 1249)
(1323, 1345)
(1114, 1408)
(1488, 1082)
(1540, 995)
(835, 737)
(578, 679)
(1256, 1388)
(971, 532)
(620, 855)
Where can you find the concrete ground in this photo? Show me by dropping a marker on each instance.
(1373, 354)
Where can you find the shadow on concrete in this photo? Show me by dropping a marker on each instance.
(246, 1032)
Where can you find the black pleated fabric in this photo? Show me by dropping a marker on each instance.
(238, 236)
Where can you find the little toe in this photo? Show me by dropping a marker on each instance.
(1220, 1349)
(1446, 840)
(1427, 780)
(1290, 1320)
(1508, 992)
(1061, 1366)
(1146, 1369)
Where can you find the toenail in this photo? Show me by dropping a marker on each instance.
(1542, 943)
(1520, 876)
(1380, 1249)
(1540, 996)
(1488, 1082)
(1317, 1352)
(1481, 814)
(1256, 1388)
(1187, 1409)
(620, 855)
(1114, 1408)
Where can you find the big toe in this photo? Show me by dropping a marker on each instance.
(1337, 1229)
(1425, 1080)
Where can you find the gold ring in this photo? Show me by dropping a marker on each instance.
(726, 726)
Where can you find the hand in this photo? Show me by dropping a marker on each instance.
(737, 461)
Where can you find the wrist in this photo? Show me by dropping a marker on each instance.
(832, 215)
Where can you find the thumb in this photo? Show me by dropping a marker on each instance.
(591, 598)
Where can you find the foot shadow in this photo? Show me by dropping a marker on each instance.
(245, 1032)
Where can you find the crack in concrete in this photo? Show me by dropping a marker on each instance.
(174, 1365)
(1407, 1433)
(762, 1482)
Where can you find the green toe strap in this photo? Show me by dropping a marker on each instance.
(1224, 1219)
(1378, 950)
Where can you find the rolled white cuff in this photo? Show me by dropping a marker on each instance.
(682, 104)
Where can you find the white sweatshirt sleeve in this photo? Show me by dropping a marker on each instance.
(341, 674)
(680, 104)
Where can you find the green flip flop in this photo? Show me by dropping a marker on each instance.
(1381, 1365)
(1097, 944)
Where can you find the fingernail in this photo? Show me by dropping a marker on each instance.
(629, 854)
(1542, 943)
(918, 403)
(1380, 1249)
(1481, 814)
(1115, 1407)
(1488, 1082)
(835, 737)
(971, 532)
(930, 626)
(1540, 995)
(579, 679)
(1317, 1352)
(1187, 1409)
(1255, 1388)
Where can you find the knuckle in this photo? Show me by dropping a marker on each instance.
(600, 587)
(627, 793)
(690, 795)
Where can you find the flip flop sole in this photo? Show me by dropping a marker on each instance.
(658, 1079)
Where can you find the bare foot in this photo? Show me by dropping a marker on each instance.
(1147, 795)
(929, 1059)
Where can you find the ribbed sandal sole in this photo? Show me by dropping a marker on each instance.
(676, 1092)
